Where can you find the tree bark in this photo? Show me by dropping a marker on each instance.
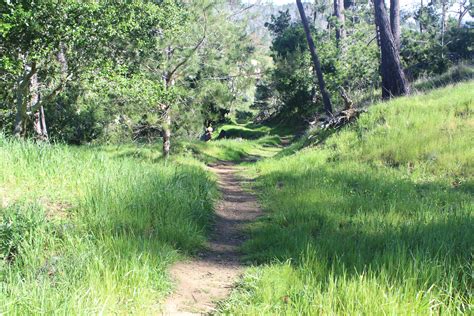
(166, 133)
(22, 92)
(20, 116)
(44, 128)
(61, 57)
(395, 21)
(314, 57)
(34, 99)
(341, 18)
(443, 24)
(420, 18)
(394, 82)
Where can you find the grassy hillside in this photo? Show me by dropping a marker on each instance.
(377, 220)
(92, 230)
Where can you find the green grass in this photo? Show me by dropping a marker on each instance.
(252, 131)
(93, 230)
(232, 150)
(263, 142)
(376, 220)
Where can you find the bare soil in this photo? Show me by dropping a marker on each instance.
(208, 278)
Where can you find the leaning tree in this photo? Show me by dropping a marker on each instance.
(315, 58)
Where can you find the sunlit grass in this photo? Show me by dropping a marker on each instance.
(377, 220)
(93, 230)
(233, 150)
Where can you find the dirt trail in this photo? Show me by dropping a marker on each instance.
(209, 277)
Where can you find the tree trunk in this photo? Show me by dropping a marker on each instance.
(22, 92)
(314, 56)
(39, 121)
(34, 99)
(395, 21)
(20, 117)
(61, 57)
(341, 18)
(166, 133)
(443, 25)
(420, 18)
(44, 129)
(394, 82)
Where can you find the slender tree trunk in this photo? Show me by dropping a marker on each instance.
(44, 128)
(166, 124)
(395, 21)
(421, 16)
(341, 18)
(443, 24)
(166, 133)
(39, 120)
(34, 99)
(314, 56)
(394, 82)
(20, 117)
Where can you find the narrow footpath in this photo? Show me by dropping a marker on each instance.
(207, 279)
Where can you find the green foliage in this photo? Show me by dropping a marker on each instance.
(377, 220)
(108, 84)
(289, 89)
(433, 49)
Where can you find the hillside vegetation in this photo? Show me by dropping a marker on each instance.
(127, 129)
(92, 230)
(376, 220)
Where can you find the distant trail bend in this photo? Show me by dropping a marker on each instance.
(204, 280)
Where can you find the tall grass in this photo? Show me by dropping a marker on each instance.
(377, 220)
(91, 230)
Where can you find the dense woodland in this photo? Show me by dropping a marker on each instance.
(92, 72)
(104, 109)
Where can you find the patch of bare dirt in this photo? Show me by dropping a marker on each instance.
(56, 210)
(209, 278)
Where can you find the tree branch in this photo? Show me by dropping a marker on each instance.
(186, 59)
(26, 80)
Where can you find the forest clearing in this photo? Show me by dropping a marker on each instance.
(217, 157)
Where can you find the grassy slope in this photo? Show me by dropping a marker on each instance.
(378, 220)
(232, 150)
(92, 230)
